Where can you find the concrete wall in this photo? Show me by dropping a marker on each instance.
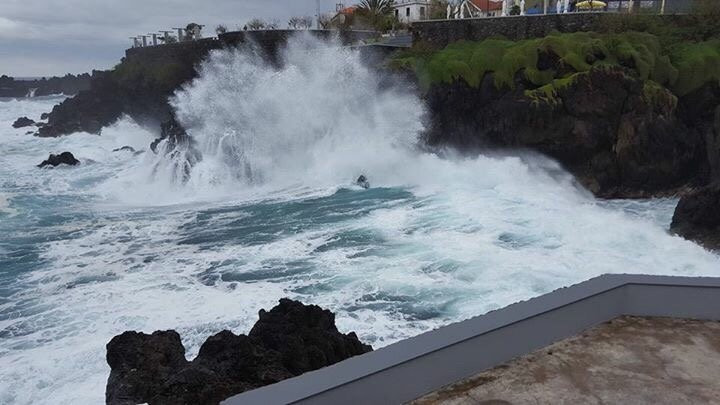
(269, 41)
(411, 368)
(442, 32)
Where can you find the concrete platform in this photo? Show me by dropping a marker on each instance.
(628, 360)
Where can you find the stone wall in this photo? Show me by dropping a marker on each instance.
(440, 33)
(189, 51)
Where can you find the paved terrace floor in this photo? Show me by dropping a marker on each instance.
(629, 360)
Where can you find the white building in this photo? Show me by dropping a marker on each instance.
(408, 11)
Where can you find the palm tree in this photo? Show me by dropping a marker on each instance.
(375, 8)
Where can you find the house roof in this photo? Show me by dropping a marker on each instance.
(348, 10)
(487, 5)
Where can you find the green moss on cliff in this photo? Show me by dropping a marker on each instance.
(159, 77)
(697, 64)
(543, 61)
(549, 92)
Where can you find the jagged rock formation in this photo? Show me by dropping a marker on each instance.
(287, 341)
(23, 122)
(697, 216)
(66, 158)
(89, 111)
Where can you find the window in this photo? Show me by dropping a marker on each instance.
(397, 13)
(407, 12)
(422, 13)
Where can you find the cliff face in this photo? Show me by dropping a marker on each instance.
(620, 137)
(135, 87)
(630, 114)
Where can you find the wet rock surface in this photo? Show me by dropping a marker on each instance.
(617, 136)
(697, 216)
(66, 158)
(290, 339)
(23, 122)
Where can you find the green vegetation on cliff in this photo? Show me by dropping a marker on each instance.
(553, 60)
(161, 78)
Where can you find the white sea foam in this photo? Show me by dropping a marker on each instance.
(124, 243)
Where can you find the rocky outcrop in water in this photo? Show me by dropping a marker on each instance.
(697, 216)
(23, 122)
(288, 340)
(66, 158)
(619, 136)
(89, 111)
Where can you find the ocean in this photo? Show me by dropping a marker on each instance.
(265, 208)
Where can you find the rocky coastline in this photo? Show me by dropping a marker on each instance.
(289, 340)
(622, 128)
(68, 85)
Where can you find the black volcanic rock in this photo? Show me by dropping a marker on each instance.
(63, 158)
(697, 216)
(23, 122)
(174, 133)
(125, 148)
(89, 111)
(287, 341)
(305, 336)
(619, 137)
(140, 362)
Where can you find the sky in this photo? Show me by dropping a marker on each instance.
(55, 37)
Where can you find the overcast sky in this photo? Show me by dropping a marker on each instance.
(54, 37)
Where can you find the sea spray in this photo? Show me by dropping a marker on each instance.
(319, 118)
(121, 242)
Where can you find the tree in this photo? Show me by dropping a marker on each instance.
(375, 7)
(438, 9)
(300, 23)
(377, 14)
(273, 24)
(256, 24)
(324, 21)
(294, 23)
(220, 29)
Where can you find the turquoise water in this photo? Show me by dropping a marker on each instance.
(122, 243)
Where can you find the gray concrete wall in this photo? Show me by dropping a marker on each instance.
(269, 41)
(411, 368)
(440, 33)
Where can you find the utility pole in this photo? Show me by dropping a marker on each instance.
(317, 10)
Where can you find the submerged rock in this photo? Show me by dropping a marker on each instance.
(174, 133)
(363, 182)
(697, 216)
(23, 122)
(63, 158)
(125, 148)
(287, 341)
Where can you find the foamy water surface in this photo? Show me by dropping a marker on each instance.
(129, 242)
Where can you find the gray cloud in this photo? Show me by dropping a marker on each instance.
(54, 37)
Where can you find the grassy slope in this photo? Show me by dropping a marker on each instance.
(681, 66)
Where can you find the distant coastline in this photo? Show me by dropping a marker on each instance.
(18, 87)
